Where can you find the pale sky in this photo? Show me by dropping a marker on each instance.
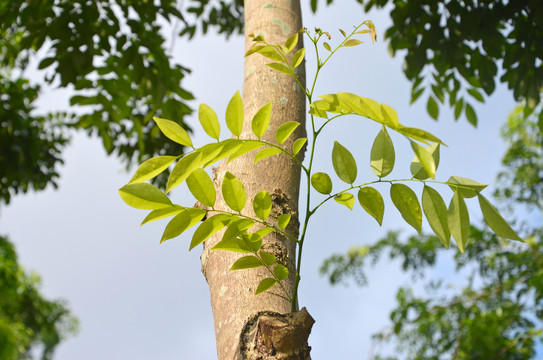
(139, 300)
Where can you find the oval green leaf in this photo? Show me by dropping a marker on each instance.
(246, 262)
(162, 213)
(201, 187)
(352, 42)
(183, 169)
(182, 222)
(467, 187)
(298, 57)
(432, 108)
(459, 220)
(283, 220)
(372, 201)
(321, 182)
(209, 227)
(267, 152)
(496, 222)
(267, 258)
(285, 130)
(151, 168)
(264, 285)
(233, 192)
(262, 205)
(231, 240)
(407, 204)
(261, 120)
(144, 196)
(291, 42)
(281, 68)
(419, 135)
(246, 147)
(234, 114)
(437, 214)
(390, 116)
(344, 163)
(382, 156)
(210, 121)
(346, 199)
(280, 271)
(173, 131)
(298, 145)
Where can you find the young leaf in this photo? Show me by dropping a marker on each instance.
(246, 147)
(352, 42)
(283, 220)
(321, 182)
(271, 53)
(261, 120)
(344, 163)
(346, 199)
(210, 151)
(327, 46)
(183, 169)
(210, 121)
(382, 154)
(390, 116)
(264, 231)
(280, 272)
(468, 188)
(233, 192)
(419, 135)
(209, 227)
(416, 168)
(372, 201)
(151, 168)
(437, 214)
(407, 203)
(459, 220)
(234, 114)
(285, 130)
(246, 262)
(173, 131)
(162, 213)
(228, 147)
(201, 187)
(267, 258)
(291, 42)
(298, 145)
(262, 205)
(281, 68)
(264, 285)
(425, 159)
(144, 196)
(231, 240)
(342, 33)
(255, 48)
(496, 222)
(298, 58)
(267, 152)
(182, 222)
(432, 107)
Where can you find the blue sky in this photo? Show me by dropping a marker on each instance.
(137, 299)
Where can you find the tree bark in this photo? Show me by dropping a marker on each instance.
(259, 321)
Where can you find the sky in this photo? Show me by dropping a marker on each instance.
(138, 299)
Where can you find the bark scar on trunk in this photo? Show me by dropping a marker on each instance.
(273, 336)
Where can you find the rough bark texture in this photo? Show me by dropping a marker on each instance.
(232, 292)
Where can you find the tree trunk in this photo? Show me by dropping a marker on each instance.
(249, 326)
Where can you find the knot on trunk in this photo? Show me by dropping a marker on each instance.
(274, 336)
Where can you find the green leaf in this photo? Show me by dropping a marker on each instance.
(233, 192)
(234, 114)
(346, 199)
(291, 42)
(425, 159)
(281, 68)
(183, 169)
(201, 187)
(357, 104)
(144, 196)
(246, 262)
(173, 131)
(344, 163)
(271, 53)
(162, 213)
(327, 46)
(390, 116)
(267, 152)
(321, 182)
(261, 120)
(231, 240)
(298, 145)
(382, 154)
(298, 58)
(283, 220)
(182, 222)
(262, 205)
(459, 220)
(407, 203)
(419, 135)
(210, 121)
(352, 42)
(372, 201)
(267, 258)
(210, 152)
(417, 170)
(285, 130)
(264, 285)
(280, 272)
(209, 227)
(476, 94)
(255, 48)
(227, 147)
(432, 107)
(247, 146)
(471, 115)
(437, 214)
(342, 33)
(264, 231)
(467, 187)
(458, 108)
(496, 222)
(151, 168)
(253, 241)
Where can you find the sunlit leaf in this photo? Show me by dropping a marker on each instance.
(390, 116)
(234, 114)
(267, 152)
(437, 214)
(372, 201)
(144, 196)
(291, 42)
(280, 272)
(382, 154)
(407, 203)
(327, 46)
(233, 192)
(264, 285)
(271, 53)
(352, 42)
(416, 168)
(151, 168)
(283, 220)
(262, 204)
(162, 213)
(298, 145)
(261, 120)
(298, 57)
(321, 182)
(183, 169)
(346, 199)
(425, 159)
(210, 121)
(467, 187)
(201, 187)
(267, 258)
(246, 262)
(209, 227)
(471, 115)
(281, 68)
(496, 222)
(285, 130)
(182, 222)
(344, 163)
(432, 108)
(231, 240)
(419, 135)
(247, 146)
(459, 220)
(173, 131)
